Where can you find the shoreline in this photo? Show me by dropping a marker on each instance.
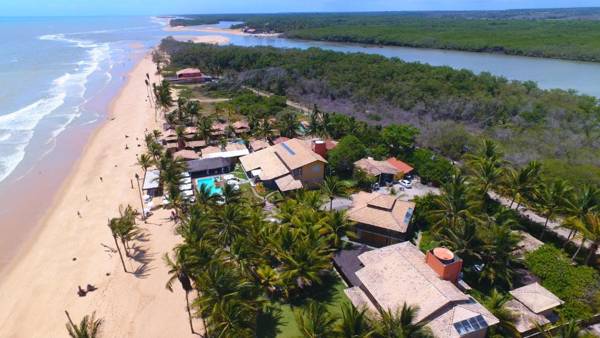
(211, 29)
(68, 250)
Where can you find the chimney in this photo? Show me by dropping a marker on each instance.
(319, 147)
(444, 263)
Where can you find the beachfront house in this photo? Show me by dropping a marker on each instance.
(189, 73)
(533, 304)
(382, 170)
(387, 278)
(286, 166)
(210, 166)
(380, 219)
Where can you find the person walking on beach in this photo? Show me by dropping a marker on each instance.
(101, 180)
(78, 214)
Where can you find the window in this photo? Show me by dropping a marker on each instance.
(297, 172)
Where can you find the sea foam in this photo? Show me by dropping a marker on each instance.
(17, 128)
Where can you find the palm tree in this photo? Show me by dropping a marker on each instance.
(354, 323)
(314, 321)
(590, 230)
(180, 132)
(162, 94)
(204, 128)
(305, 262)
(205, 196)
(452, 207)
(288, 124)
(485, 175)
(332, 187)
(178, 271)
(568, 329)
(550, 199)
(488, 150)
(495, 303)
(498, 254)
(155, 150)
(114, 225)
(268, 278)
(485, 166)
(401, 323)
(145, 161)
(126, 226)
(524, 182)
(229, 194)
(339, 226)
(464, 241)
(229, 223)
(233, 318)
(266, 129)
(580, 204)
(89, 327)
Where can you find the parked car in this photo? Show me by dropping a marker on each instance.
(406, 183)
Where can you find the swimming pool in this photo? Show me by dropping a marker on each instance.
(210, 182)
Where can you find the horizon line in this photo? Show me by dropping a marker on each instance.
(304, 12)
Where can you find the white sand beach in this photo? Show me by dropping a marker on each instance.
(70, 250)
(210, 39)
(209, 29)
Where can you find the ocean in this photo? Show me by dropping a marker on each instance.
(60, 73)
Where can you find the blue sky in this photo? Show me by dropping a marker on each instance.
(153, 7)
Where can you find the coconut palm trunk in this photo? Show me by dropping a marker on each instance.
(545, 227)
(189, 311)
(592, 252)
(578, 249)
(119, 251)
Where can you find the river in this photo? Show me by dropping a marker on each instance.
(584, 77)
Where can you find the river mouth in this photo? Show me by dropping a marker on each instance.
(582, 77)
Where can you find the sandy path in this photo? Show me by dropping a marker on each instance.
(43, 282)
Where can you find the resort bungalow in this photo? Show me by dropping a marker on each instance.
(195, 145)
(402, 167)
(256, 145)
(287, 166)
(151, 186)
(241, 127)
(388, 278)
(380, 219)
(383, 170)
(231, 150)
(189, 73)
(186, 155)
(210, 166)
(533, 304)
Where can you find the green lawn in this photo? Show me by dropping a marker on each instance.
(282, 323)
(239, 172)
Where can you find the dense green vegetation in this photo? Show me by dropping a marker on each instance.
(578, 286)
(531, 33)
(483, 234)
(448, 106)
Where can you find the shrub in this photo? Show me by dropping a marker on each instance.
(343, 156)
(577, 286)
(431, 167)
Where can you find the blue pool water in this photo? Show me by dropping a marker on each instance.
(210, 182)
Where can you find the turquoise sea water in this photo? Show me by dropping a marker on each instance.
(60, 73)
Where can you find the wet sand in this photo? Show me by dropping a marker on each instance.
(210, 39)
(68, 250)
